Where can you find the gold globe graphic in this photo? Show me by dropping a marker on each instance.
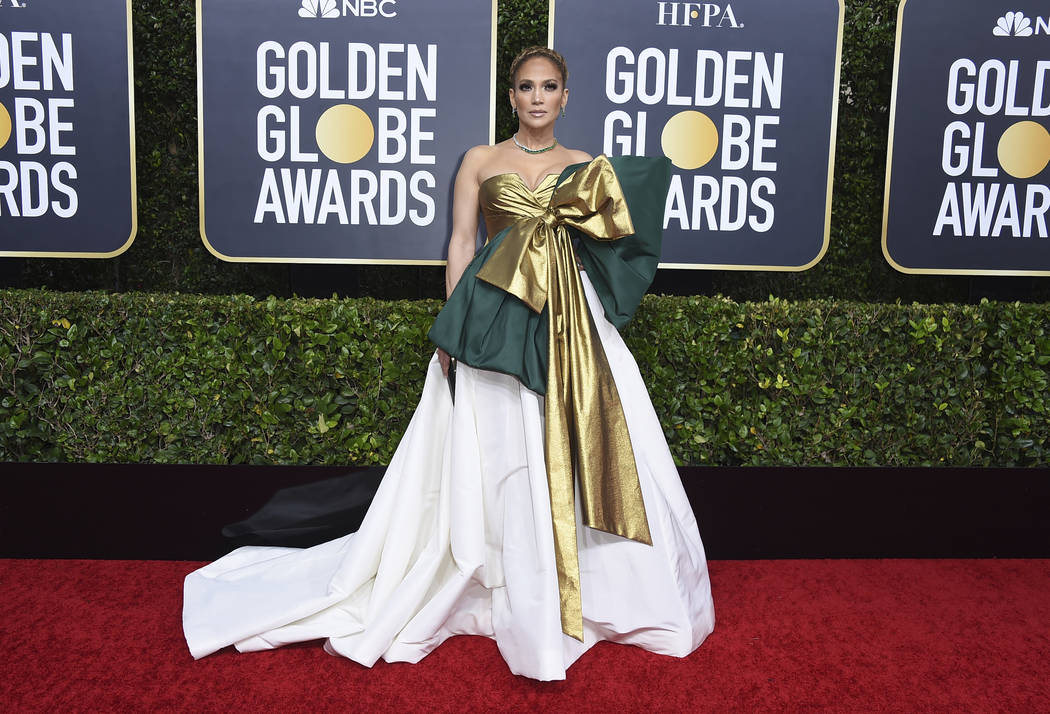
(689, 139)
(344, 133)
(5, 126)
(1024, 149)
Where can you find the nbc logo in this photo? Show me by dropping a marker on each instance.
(319, 8)
(357, 8)
(1016, 24)
(13, 3)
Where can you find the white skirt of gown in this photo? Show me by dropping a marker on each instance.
(458, 541)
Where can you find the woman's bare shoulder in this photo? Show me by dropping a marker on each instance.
(477, 155)
(484, 153)
(576, 156)
(480, 150)
(474, 159)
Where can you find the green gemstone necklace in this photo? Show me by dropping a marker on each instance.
(527, 150)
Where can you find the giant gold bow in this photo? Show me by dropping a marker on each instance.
(585, 425)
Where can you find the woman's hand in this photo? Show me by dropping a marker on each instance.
(444, 359)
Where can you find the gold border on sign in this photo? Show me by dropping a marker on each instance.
(886, 193)
(332, 261)
(134, 175)
(492, 76)
(550, 25)
(831, 165)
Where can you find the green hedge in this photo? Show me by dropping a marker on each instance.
(168, 255)
(156, 378)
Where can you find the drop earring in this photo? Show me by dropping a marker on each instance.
(563, 111)
(514, 111)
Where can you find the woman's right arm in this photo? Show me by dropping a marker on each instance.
(464, 227)
(464, 217)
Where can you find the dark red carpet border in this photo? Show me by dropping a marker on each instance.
(830, 635)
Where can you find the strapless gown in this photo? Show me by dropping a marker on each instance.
(458, 540)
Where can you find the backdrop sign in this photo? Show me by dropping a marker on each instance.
(966, 172)
(740, 95)
(67, 140)
(331, 130)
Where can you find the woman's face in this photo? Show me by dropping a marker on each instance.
(538, 93)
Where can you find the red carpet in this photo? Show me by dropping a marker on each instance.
(845, 635)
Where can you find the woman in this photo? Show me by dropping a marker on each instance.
(543, 509)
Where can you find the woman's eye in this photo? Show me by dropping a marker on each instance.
(524, 87)
(551, 86)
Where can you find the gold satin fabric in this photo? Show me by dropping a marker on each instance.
(505, 199)
(585, 424)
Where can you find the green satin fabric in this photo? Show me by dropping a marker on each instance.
(487, 328)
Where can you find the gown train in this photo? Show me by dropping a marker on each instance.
(459, 541)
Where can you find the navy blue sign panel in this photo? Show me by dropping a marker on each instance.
(331, 130)
(741, 95)
(966, 172)
(67, 143)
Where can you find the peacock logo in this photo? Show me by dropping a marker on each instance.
(319, 9)
(1013, 24)
(346, 8)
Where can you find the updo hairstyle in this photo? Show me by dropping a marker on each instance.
(539, 51)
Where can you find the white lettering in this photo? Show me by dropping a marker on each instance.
(269, 199)
(25, 191)
(954, 159)
(736, 130)
(269, 80)
(948, 214)
(7, 189)
(765, 185)
(326, 76)
(960, 94)
(24, 124)
(361, 70)
(1007, 214)
(733, 78)
(978, 205)
(673, 98)
(419, 135)
(726, 204)
(332, 200)
(391, 125)
(393, 199)
(615, 143)
(301, 194)
(388, 71)
(734, 200)
(617, 82)
(55, 63)
(33, 176)
(297, 154)
(419, 180)
(674, 208)
(363, 187)
(993, 87)
(422, 75)
(60, 172)
(739, 80)
(265, 134)
(57, 127)
(1036, 212)
(399, 72)
(1042, 79)
(21, 60)
(651, 60)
